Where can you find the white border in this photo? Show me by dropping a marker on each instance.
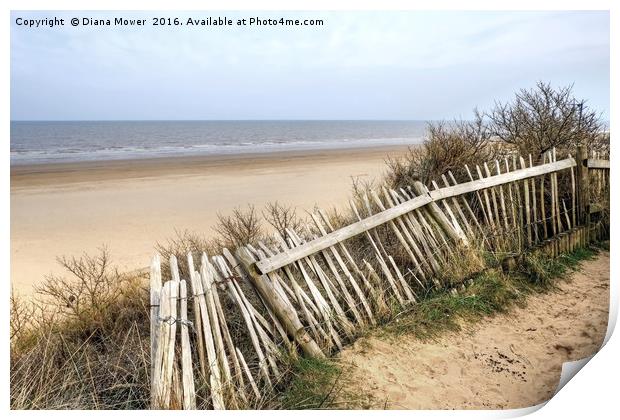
(592, 393)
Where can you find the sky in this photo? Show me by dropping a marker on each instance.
(418, 65)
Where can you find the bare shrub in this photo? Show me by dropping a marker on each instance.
(447, 147)
(281, 217)
(182, 243)
(239, 228)
(91, 289)
(542, 118)
(21, 315)
(95, 353)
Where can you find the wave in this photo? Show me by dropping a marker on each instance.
(116, 152)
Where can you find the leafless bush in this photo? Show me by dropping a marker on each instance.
(239, 228)
(447, 147)
(22, 312)
(280, 217)
(182, 243)
(542, 118)
(91, 289)
(94, 354)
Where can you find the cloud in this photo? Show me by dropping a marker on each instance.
(380, 65)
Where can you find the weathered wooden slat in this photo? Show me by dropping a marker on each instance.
(557, 194)
(598, 164)
(487, 220)
(501, 197)
(568, 225)
(513, 210)
(459, 210)
(487, 200)
(226, 274)
(159, 381)
(470, 212)
(285, 313)
(155, 292)
(189, 392)
(327, 256)
(202, 360)
(526, 196)
(169, 357)
(340, 315)
(493, 195)
(534, 203)
(432, 229)
(248, 374)
(452, 217)
(208, 285)
(378, 254)
(519, 205)
(213, 364)
(325, 310)
(543, 213)
(454, 232)
(260, 325)
(249, 323)
(348, 255)
(402, 233)
(418, 231)
(343, 267)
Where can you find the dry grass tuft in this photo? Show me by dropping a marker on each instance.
(84, 342)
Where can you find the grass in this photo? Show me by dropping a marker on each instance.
(491, 291)
(318, 383)
(313, 384)
(83, 343)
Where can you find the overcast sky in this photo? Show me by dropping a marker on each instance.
(358, 65)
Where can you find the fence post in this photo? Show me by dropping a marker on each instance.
(287, 315)
(155, 286)
(583, 187)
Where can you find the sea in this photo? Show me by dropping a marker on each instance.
(42, 142)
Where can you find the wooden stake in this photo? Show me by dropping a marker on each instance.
(534, 204)
(440, 217)
(189, 392)
(287, 315)
(543, 213)
(526, 194)
(155, 291)
(200, 343)
(493, 196)
(501, 196)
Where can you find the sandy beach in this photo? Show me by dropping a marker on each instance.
(512, 360)
(69, 209)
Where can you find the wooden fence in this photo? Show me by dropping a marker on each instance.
(225, 328)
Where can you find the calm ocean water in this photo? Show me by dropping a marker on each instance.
(73, 141)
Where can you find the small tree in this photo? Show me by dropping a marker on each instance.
(542, 118)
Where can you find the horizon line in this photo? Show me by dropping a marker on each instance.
(220, 120)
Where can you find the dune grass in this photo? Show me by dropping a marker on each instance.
(316, 382)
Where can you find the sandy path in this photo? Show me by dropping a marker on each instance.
(68, 209)
(508, 361)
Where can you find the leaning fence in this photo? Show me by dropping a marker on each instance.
(224, 328)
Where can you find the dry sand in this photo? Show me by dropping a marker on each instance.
(508, 361)
(68, 209)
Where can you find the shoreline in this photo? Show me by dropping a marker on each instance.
(129, 206)
(63, 173)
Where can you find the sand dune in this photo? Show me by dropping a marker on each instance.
(68, 209)
(508, 361)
